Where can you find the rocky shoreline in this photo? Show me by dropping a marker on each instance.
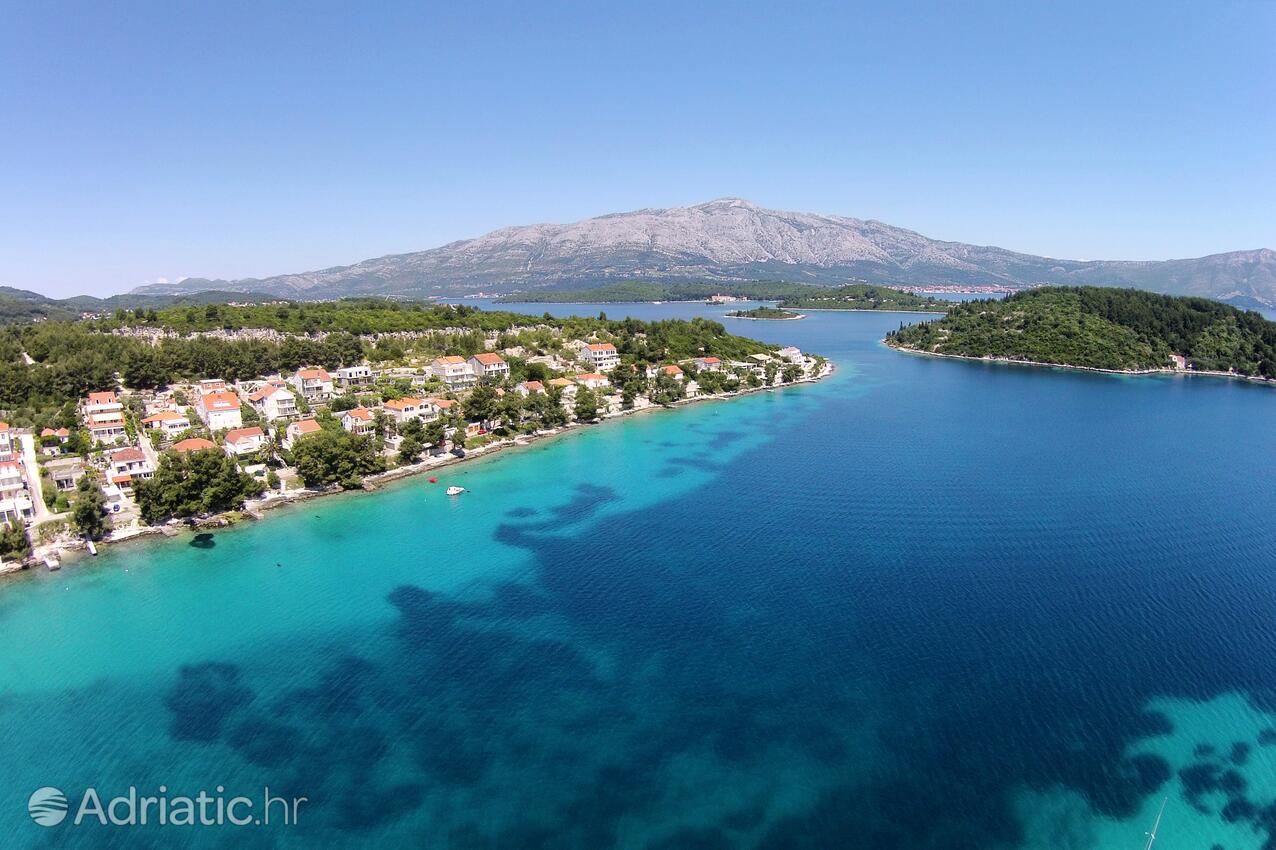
(1010, 361)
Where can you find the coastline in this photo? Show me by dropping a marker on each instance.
(1010, 361)
(257, 510)
(869, 310)
(792, 318)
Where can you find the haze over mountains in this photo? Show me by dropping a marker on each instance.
(732, 239)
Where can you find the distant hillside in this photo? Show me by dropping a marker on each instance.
(731, 240)
(1101, 328)
(21, 305)
(644, 290)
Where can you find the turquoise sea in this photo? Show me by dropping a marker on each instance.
(922, 604)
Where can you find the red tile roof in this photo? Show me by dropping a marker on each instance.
(451, 360)
(532, 386)
(163, 416)
(128, 455)
(306, 426)
(193, 444)
(220, 401)
(601, 346)
(360, 413)
(311, 374)
(102, 398)
(243, 433)
(487, 358)
(402, 403)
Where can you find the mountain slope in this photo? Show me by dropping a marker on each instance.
(732, 239)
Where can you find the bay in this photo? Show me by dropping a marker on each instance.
(922, 603)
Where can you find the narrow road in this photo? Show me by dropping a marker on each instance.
(34, 484)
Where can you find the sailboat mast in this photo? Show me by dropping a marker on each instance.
(1155, 826)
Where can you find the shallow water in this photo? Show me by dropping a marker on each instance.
(923, 604)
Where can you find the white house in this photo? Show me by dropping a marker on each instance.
(672, 371)
(245, 441)
(210, 385)
(6, 442)
(791, 353)
(403, 409)
(602, 355)
(454, 371)
(220, 410)
(489, 366)
(168, 422)
(593, 380)
(354, 376)
(299, 429)
(129, 465)
(708, 364)
(567, 385)
(314, 384)
(104, 417)
(529, 388)
(15, 501)
(358, 420)
(274, 401)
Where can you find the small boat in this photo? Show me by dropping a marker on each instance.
(92, 548)
(433, 480)
(52, 563)
(455, 491)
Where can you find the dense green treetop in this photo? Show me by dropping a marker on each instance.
(856, 296)
(863, 296)
(764, 313)
(1102, 328)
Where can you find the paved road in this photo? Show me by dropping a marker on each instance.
(33, 476)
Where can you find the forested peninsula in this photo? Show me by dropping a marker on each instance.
(1101, 328)
(856, 296)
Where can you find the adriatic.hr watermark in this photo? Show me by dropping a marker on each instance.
(50, 807)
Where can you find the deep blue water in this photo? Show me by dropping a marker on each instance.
(923, 604)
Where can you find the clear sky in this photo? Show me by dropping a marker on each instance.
(148, 141)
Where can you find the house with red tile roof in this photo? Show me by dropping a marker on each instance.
(169, 422)
(403, 409)
(104, 417)
(129, 465)
(602, 355)
(220, 410)
(299, 429)
(274, 401)
(193, 444)
(489, 366)
(529, 388)
(314, 384)
(358, 420)
(708, 364)
(245, 441)
(454, 371)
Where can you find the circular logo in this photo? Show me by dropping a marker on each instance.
(47, 806)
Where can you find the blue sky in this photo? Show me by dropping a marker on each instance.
(143, 141)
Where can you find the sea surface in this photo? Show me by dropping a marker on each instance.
(922, 604)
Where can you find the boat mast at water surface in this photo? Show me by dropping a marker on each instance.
(1156, 825)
